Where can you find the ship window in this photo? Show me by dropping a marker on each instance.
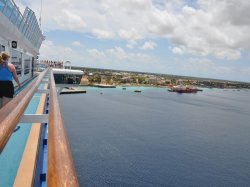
(19, 19)
(21, 26)
(2, 48)
(14, 16)
(24, 28)
(27, 31)
(16, 60)
(27, 63)
(67, 79)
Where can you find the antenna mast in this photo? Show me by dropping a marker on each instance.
(40, 18)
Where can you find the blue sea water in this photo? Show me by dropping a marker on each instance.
(159, 138)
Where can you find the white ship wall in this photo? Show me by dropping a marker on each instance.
(9, 33)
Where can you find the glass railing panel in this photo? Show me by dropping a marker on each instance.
(2, 5)
(27, 31)
(32, 38)
(21, 26)
(8, 9)
(28, 35)
(36, 38)
(19, 20)
(16, 60)
(14, 15)
(26, 23)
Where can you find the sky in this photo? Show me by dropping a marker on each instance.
(200, 38)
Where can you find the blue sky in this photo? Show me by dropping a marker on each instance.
(203, 38)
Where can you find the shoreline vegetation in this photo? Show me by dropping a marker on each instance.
(112, 78)
(122, 86)
(108, 78)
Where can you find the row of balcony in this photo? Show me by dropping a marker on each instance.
(27, 23)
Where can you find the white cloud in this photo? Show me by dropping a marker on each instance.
(96, 53)
(247, 71)
(228, 54)
(103, 34)
(76, 43)
(131, 44)
(209, 28)
(162, 23)
(188, 10)
(131, 34)
(118, 53)
(210, 24)
(203, 67)
(69, 20)
(58, 53)
(177, 50)
(149, 45)
(206, 30)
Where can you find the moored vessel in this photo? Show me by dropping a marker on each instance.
(184, 89)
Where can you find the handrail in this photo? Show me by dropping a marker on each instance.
(61, 170)
(13, 111)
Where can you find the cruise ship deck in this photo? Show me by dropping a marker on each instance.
(24, 137)
(26, 123)
(34, 149)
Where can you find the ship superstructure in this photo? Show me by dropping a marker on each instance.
(34, 149)
(20, 36)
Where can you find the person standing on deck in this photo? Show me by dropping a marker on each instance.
(7, 72)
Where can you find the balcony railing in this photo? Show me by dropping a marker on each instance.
(28, 27)
(11, 113)
(60, 170)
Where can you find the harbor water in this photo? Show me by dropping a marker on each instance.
(158, 138)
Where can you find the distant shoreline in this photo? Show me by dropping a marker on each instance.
(155, 86)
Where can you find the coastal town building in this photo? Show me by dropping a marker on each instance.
(118, 77)
(84, 80)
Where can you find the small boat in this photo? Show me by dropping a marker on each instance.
(171, 90)
(105, 86)
(137, 91)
